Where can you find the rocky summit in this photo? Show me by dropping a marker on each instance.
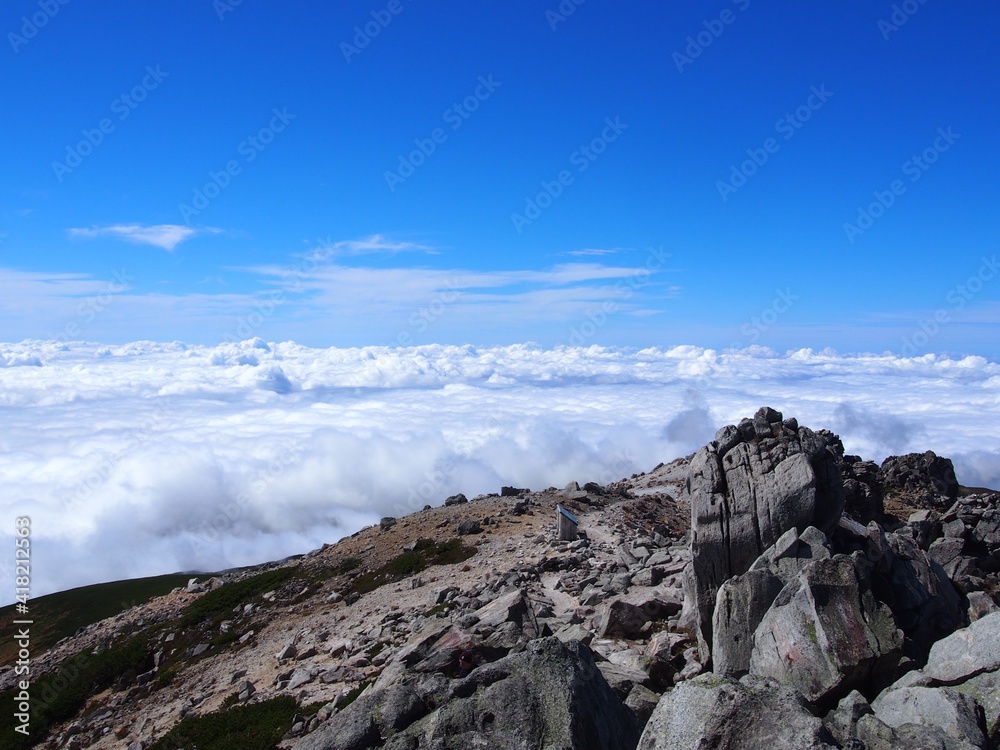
(768, 591)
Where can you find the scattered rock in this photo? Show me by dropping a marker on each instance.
(469, 527)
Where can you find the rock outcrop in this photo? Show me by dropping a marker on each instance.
(550, 695)
(925, 477)
(826, 633)
(749, 486)
(726, 714)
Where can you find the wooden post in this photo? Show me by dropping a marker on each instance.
(566, 525)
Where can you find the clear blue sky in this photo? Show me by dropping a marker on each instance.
(437, 256)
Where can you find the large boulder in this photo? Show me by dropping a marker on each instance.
(826, 633)
(549, 695)
(863, 498)
(954, 713)
(743, 600)
(924, 478)
(966, 653)
(723, 714)
(923, 600)
(749, 486)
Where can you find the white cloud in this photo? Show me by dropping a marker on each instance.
(166, 236)
(149, 458)
(595, 251)
(375, 243)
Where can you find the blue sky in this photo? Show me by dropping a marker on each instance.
(635, 116)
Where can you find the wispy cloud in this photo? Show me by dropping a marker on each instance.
(166, 236)
(374, 244)
(594, 251)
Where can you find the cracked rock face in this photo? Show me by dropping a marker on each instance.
(826, 634)
(550, 695)
(749, 486)
(733, 715)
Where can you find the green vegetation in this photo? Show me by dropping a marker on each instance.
(437, 609)
(60, 615)
(58, 696)
(258, 726)
(220, 603)
(426, 554)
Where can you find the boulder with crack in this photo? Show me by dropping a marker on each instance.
(826, 633)
(550, 695)
(749, 714)
(749, 486)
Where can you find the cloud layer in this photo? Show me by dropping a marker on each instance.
(150, 458)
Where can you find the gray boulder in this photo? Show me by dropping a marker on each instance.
(966, 653)
(917, 590)
(469, 527)
(874, 734)
(643, 701)
(509, 607)
(712, 712)
(550, 695)
(826, 633)
(743, 600)
(745, 493)
(625, 620)
(862, 490)
(985, 690)
(954, 713)
(925, 477)
(741, 604)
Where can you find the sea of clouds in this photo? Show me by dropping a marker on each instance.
(150, 458)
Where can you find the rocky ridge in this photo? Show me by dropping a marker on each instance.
(754, 594)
